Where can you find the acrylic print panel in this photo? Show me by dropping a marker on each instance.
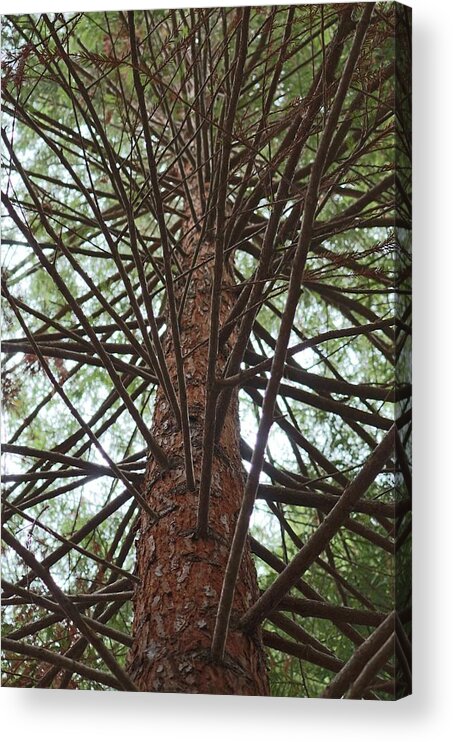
(206, 379)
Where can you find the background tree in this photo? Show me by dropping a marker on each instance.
(207, 260)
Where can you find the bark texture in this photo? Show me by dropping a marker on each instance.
(181, 576)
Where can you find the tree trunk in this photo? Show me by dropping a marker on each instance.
(180, 575)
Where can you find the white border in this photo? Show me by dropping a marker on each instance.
(42, 715)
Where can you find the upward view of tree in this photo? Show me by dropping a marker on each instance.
(206, 264)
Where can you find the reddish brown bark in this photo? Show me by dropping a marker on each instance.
(181, 576)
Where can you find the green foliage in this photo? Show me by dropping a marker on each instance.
(82, 187)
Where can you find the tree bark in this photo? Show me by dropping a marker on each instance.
(181, 575)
